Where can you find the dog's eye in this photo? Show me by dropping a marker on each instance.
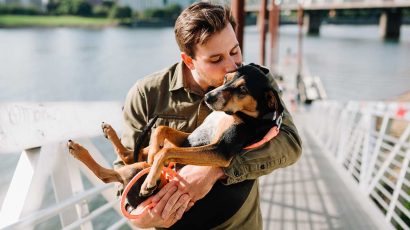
(243, 90)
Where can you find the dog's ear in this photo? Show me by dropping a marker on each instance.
(273, 101)
(262, 69)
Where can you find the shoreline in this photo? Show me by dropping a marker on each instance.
(27, 21)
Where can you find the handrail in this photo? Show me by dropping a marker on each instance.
(370, 141)
(25, 125)
(49, 212)
(40, 132)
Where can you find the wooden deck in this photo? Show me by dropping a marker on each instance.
(312, 195)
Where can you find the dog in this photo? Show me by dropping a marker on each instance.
(244, 108)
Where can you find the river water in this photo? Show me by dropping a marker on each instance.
(70, 64)
(102, 64)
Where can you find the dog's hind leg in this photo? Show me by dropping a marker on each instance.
(126, 155)
(82, 154)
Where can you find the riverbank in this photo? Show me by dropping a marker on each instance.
(13, 21)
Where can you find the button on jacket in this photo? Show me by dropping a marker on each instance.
(164, 94)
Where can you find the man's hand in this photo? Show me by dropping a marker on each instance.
(196, 181)
(152, 217)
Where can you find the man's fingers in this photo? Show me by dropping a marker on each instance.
(182, 201)
(170, 206)
(164, 190)
(190, 205)
(158, 209)
(181, 210)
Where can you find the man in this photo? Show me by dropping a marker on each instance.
(213, 198)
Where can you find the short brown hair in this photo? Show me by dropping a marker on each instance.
(197, 23)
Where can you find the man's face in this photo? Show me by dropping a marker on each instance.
(220, 55)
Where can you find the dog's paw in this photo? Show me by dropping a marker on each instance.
(108, 130)
(147, 190)
(76, 149)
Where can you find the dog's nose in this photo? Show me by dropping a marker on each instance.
(209, 98)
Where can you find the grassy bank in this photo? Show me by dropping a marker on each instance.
(54, 21)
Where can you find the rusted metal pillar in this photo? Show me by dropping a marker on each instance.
(300, 39)
(390, 23)
(273, 28)
(238, 12)
(262, 29)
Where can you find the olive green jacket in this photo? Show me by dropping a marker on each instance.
(164, 94)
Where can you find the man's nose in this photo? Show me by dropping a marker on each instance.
(231, 65)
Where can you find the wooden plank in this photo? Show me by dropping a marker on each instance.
(30, 125)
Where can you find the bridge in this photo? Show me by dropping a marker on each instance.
(353, 173)
(315, 10)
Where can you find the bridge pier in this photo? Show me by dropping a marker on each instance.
(313, 19)
(390, 22)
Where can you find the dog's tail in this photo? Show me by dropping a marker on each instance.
(141, 139)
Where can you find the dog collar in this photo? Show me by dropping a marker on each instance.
(273, 116)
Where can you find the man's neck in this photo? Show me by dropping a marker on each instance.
(189, 82)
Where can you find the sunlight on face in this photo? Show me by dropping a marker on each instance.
(220, 55)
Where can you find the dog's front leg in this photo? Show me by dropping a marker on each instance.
(82, 154)
(126, 155)
(162, 134)
(204, 155)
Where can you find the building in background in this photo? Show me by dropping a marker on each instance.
(140, 5)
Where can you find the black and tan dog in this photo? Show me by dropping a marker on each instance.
(245, 108)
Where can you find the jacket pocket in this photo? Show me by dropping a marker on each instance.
(172, 121)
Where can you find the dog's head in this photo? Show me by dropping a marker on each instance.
(248, 90)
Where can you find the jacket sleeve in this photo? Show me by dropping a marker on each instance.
(282, 151)
(134, 119)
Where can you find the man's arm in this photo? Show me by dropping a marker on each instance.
(134, 119)
(282, 151)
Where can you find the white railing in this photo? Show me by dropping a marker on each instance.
(39, 132)
(370, 142)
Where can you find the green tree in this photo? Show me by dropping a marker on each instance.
(121, 12)
(81, 7)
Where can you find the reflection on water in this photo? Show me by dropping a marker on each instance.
(80, 64)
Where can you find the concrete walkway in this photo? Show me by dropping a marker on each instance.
(311, 195)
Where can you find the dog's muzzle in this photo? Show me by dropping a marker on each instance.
(216, 100)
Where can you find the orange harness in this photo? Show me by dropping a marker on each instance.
(273, 132)
(169, 174)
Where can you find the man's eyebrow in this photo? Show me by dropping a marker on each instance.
(215, 55)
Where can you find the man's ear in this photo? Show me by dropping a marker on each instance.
(187, 60)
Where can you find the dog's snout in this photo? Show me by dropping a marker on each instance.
(210, 98)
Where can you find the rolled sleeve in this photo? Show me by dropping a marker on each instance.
(282, 151)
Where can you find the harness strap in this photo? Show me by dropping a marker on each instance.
(273, 132)
(147, 204)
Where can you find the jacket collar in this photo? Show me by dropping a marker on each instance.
(177, 80)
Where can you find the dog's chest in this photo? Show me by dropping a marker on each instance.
(211, 129)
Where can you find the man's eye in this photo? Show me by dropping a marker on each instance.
(216, 59)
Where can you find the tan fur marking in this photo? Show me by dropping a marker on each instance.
(240, 82)
(229, 77)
